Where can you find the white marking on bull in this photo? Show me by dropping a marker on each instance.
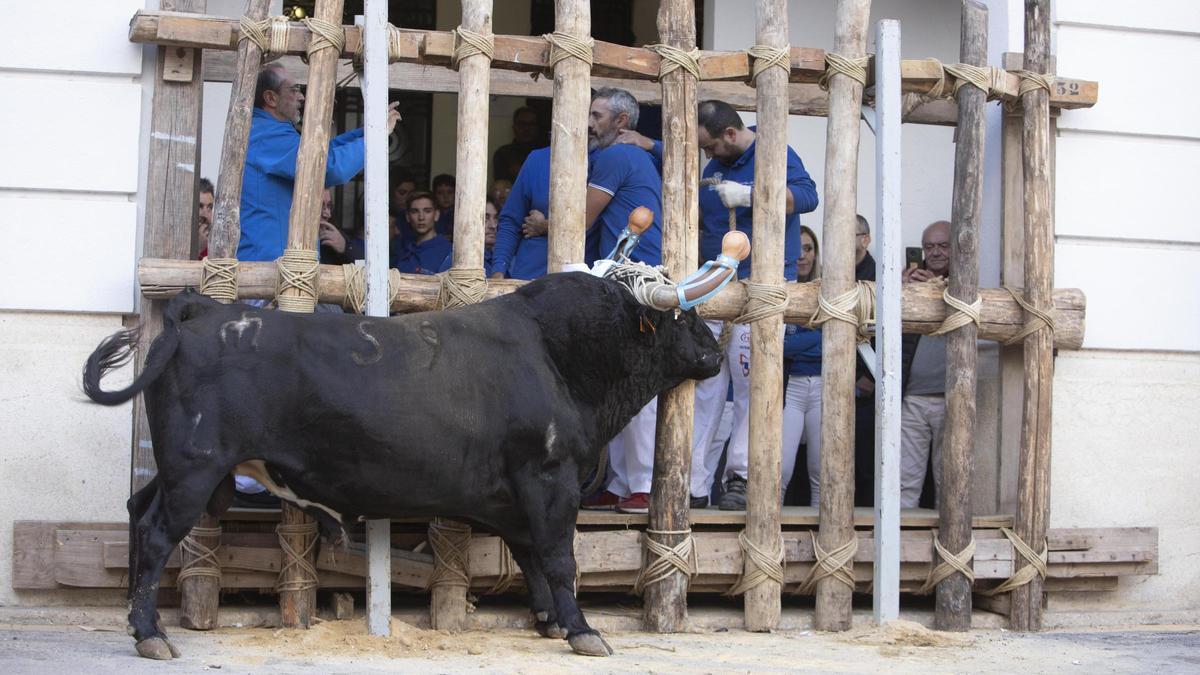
(241, 326)
(362, 330)
(257, 469)
(551, 436)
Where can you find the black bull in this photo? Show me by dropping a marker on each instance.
(490, 414)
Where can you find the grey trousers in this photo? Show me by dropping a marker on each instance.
(922, 418)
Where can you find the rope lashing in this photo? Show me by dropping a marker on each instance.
(326, 35)
(394, 45)
(763, 57)
(762, 301)
(565, 45)
(856, 306)
(960, 563)
(838, 563)
(1042, 319)
(660, 561)
(270, 34)
(356, 287)
(292, 559)
(674, 58)
(766, 565)
(836, 64)
(218, 278)
(205, 562)
(643, 281)
(508, 569)
(461, 286)
(297, 271)
(468, 43)
(964, 73)
(1035, 568)
(451, 543)
(1031, 81)
(963, 314)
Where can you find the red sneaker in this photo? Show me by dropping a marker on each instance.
(601, 501)
(638, 502)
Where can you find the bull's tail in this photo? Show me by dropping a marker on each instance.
(118, 349)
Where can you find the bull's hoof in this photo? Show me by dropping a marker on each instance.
(589, 644)
(159, 649)
(550, 629)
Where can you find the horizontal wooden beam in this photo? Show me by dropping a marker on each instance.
(723, 74)
(922, 304)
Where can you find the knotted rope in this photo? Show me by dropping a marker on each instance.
(838, 563)
(643, 281)
(1035, 568)
(762, 301)
(205, 562)
(964, 73)
(451, 543)
(508, 570)
(270, 34)
(307, 574)
(461, 286)
(856, 306)
(1031, 81)
(766, 565)
(326, 35)
(218, 279)
(1042, 319)
(674, 58)
(356, 287)
(565, 45)
(297, 271)
(468, 43)
(960, 563)
(394, 46)
(963, 314)
(763, 57)
(660, 561)
(836, 64)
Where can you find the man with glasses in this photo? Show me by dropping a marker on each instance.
(923, 407)
(270, 171)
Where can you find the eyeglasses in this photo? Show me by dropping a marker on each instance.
(940, 246)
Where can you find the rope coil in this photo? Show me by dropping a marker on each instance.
(763, 57)
(451, 543)
(660, 561)
(963, 314)
(565, 45)
(766, 565)
(297, 272)
(325, 35)
(356, 287)
(1035, 568)
(1041, 320)
(674, 58)
(270, 35)
(205, 562)
(836, 64)
(960, 563)
(468, 43)
(461, 286)
(762, 301)
(306, 578)
(838, 563)
(856, 306)
(218, 279)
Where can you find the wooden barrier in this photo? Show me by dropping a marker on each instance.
(568, 143)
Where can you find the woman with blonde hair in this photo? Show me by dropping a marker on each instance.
(802, 362)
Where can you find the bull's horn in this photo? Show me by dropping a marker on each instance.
(709, 279)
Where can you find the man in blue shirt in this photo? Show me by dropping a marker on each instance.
(520, 252)
(271, 163)
(424, 253)
(727, 183)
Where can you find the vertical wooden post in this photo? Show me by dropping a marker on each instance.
(1033, 488)
(375, 142)
(838, 337)
(170, 207)
(888, 170)
(762, 603)
(568, 141)
(296, 605)
(200, 594)
(953, 604)
(448, 601)
(665, 602)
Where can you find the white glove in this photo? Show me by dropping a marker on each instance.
(734, 194)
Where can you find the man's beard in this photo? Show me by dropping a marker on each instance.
(601, 141)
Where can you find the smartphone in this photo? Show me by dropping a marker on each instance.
(914, 257)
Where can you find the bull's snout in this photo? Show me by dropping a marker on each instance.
(709, 363)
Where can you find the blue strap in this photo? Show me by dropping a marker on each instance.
(721, 261)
